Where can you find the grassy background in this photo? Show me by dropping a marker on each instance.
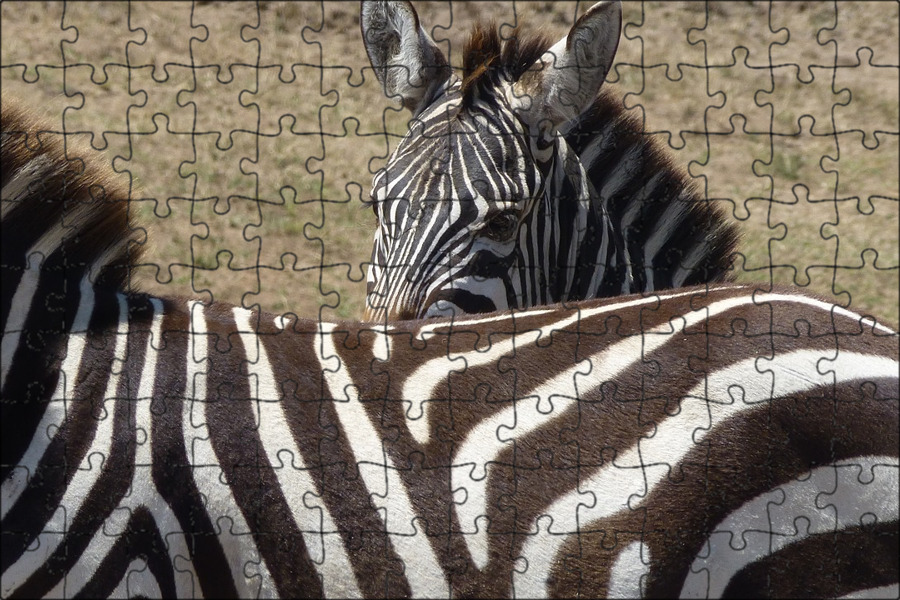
(786, 112)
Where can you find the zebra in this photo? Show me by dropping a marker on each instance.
(701, 441)
(518, 185)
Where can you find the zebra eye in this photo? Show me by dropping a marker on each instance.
(374, 206)
(502, 227)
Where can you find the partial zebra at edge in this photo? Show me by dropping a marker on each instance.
(65, 224)
(44, 180)
(717, 440)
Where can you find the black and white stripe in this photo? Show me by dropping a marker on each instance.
(699, 442)
(508, 191)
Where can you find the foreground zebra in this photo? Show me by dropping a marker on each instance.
(516, 185)
(699, 442)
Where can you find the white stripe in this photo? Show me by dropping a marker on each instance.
(419, 388)
(85, 476)
(324, 543)
(56, 411)
(624, 485)
(235, 537)
(826, 306)
(669, 221)
(824, 500)
(625, 172)
(631, 213)
(543, 294)
(603, 260)
(427, 332)
(574, 172)
(383, 343)
(137, 581)
(629, 572)
(885, 591)
(143, 493)
(388, 491)
(688, 262)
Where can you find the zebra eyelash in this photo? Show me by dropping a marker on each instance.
(370, 204)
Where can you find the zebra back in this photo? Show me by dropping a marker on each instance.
(159, 447)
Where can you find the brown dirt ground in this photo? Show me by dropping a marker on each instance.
(787, 113)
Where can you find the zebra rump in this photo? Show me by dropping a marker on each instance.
(701, 442)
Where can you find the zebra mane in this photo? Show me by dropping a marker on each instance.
(60, 202)
(488, 58)
(656, 192)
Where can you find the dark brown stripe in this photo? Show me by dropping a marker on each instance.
(172, 470)
(824, 566)
(244, 464)
(322, 440)
(140, 539)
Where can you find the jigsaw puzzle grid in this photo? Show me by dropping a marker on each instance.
(250, 131)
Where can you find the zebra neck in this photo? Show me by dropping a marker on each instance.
(589, 257)
(672, 235)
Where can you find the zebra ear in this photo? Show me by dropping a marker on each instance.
(564, 82)
(405, 59)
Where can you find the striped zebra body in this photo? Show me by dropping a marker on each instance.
(699, 442)
(518, 185)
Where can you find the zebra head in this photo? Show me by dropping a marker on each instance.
(458, 202)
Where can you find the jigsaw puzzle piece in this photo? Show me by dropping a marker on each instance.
(97, 70)
(38, 48)
(154, 97)
(651, 68)
(872, 104)
(33, 65)
(871, 26)
(808, 42)
(868, 218)
(165, 42)
(748, 23)
(225, 203)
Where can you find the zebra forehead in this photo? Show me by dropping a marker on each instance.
(444, 161)
(489, 57)
(449, 126)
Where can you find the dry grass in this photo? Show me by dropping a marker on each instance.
(803, 153)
